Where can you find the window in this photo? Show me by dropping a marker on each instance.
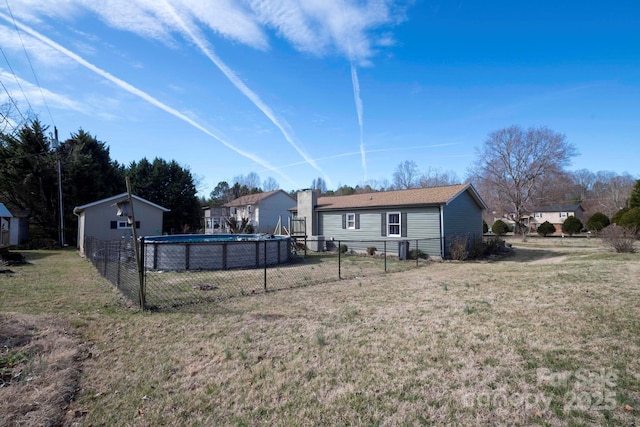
(393, 224)
(564, 214)
(537, 215)
(351, 221)
(123, 225)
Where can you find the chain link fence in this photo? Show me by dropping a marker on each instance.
(181, 274)
(116, 261)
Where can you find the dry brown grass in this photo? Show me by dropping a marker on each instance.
(450, 343)
(40, 366)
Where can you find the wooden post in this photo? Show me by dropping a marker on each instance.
(134, 233)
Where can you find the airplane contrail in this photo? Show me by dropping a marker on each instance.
(244, 89)
(143, 95)
(358, 101)
(379, 150)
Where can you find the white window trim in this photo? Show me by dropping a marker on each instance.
(351, 221)
(124, 225)
(564, 214)
(389, 224)
(537, 215)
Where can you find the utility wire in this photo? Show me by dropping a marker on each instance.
(30, 64)
(13, 101)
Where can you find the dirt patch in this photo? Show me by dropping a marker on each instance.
(39, 370)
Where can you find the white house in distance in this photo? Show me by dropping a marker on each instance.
(556, 215)
(263, 210)
(100, 219)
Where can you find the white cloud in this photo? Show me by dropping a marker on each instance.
(21, 89)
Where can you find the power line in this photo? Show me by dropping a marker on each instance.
(13, 101)
(44, 99)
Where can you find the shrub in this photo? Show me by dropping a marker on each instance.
(619, 238)
(417, 253)
(499, 228)
(615, 219)
(571, 226)
(344, 249)
(371, 250)
(597, 222)
(459, 248)
(631, 219)
(485, 227)
(494, 245)
(546, 228)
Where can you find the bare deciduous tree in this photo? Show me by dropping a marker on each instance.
(436, 178)
(515, 162)
(405, 175)
(270, 184)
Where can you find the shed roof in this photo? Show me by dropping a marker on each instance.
(254, 199)
(114, 199)
(411, 197)
(4, 212)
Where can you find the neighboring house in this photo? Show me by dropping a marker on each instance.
(263, 210)
(214, 219)
(556, 215)
(100, 219)
(5, 224)
(436, 216)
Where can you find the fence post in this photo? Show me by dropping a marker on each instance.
(143, 273)
(339, 259)
(417, 252)
(385, 256)
(119, 263)
(105, 256)
(265, 263)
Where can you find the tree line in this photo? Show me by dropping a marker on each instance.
(515, 171)
(29, 181)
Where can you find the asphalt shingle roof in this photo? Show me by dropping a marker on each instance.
(411, 197)
(251, 199)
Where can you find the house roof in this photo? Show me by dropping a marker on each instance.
(114, 199)
(4, 212)
(559, 208)
(412, 197)
(255, 199)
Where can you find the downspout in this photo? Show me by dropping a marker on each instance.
(79, 244)
(441, 231)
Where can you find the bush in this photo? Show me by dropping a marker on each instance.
(499, 228)
(459, 248)
(619, 238)
(631, 219)
(417, 253)
(571, 226)
(615, 219)
(546, 228)
(485, 227)
(493, 246)
(371, 250)
(597, 222)
(344, 249)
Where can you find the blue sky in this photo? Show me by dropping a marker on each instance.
(344, 90)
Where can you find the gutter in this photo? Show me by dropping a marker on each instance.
(441, 231)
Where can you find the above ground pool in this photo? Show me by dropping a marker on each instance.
(214, 251)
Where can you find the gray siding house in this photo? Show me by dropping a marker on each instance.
(100, 220)
(434, 217)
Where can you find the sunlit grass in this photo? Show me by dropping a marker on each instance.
(448, 343)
